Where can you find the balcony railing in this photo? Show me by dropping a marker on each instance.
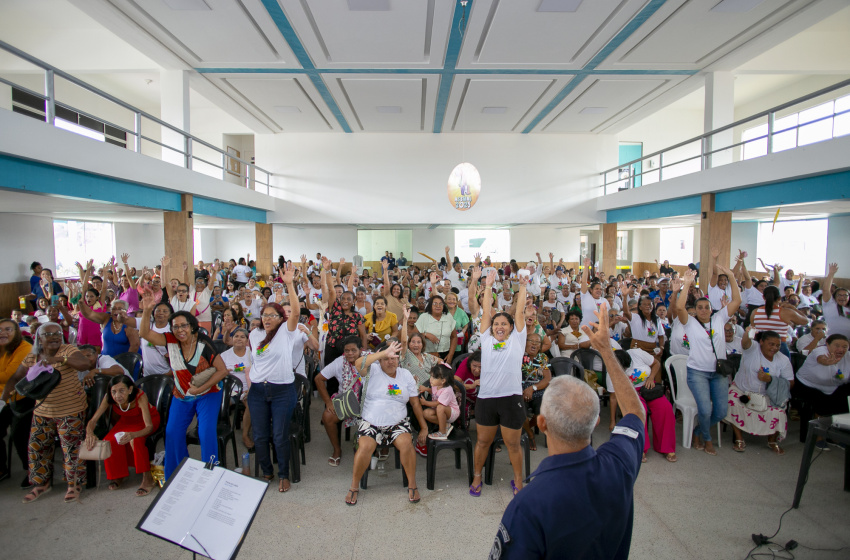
(187, 150)
(781, 125)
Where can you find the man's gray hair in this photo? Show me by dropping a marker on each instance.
(571, 409)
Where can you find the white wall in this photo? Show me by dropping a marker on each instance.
(235, 242)
(209, 246)
(433, 243)
(745, 238)
(836, 244)
(333, 242)
(646, 244)
(402, 178)
(25, 239)
(564, 243)
(145, 243)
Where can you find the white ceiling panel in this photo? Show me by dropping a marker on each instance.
(276, 96)
(410, 34)
(602, 100)
(231, 33)
(511, 101)
(377, 103)
(513, 34)
(700, 35)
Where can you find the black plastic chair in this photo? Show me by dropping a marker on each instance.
(803, 406)
(586, 357)
(225, 428)
(457, 360)
(132, 362)
(459, 440)
(158, 389)
(491, 456)
(364, 480)
(220, 346)
(803, 330)
(96, 394)
(203, 331)
(296, 428)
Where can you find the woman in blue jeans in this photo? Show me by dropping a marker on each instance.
(272, 398)
(708, 344)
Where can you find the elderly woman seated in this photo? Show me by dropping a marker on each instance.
(535, 378)
(384, 420)
(824, 382)
(751, 408)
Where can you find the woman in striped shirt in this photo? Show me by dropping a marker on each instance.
(775, 316)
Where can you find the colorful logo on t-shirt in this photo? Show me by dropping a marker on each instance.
(685, 342)
(650, 331)
(238, 367)
(765, 369)
(638, 376)
(499, 346)
(262, 350)
(839, 374)
(393, 390)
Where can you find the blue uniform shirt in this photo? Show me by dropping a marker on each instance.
(579, 505)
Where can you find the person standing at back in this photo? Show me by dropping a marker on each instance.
(580, 503)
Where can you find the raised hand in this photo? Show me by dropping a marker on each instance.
(477, 258)
(587, 263)
(833, 268)
(491, 277)
(385, 265)
(690, 275)
(551, 256)
(303, 259)
(476, 273)
(341, 262)
(599, 339)
(147, 300)
(185, 266)
(393, 349)
(447, 248)
(289, 274)
(715, 252)
(676, 285)
(523, 280)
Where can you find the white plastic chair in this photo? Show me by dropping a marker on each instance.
(683, 399)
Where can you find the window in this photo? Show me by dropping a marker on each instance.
(196, 238)
(677, 245)
(799, 245)
(495, 243)
(77, 242)
(623, 254)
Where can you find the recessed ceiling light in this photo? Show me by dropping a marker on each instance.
(388, 109)
(494, 110)
(558, 5)
(187, 5)
(287, 109)
(593, 110)
(369, 5)
(736, 6)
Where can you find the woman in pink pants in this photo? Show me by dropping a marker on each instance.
(645, 372)
(137, 419)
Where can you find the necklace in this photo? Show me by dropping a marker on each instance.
(125, 409)
(113, 327)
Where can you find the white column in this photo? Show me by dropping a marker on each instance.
(719, 111)
(174, 109)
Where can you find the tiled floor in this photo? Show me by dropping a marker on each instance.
(701, 507)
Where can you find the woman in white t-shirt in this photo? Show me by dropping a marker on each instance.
(238, 362)
(500, 402)
(242, 272)
(384, 420)
(824, 379)
(836, 312)
(760, 363)
(154, 357)
(812, 340)
(591, 297)
(647, 330)
(707, 342)
(272, 397)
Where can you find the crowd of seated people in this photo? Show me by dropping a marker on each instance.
(421, 329)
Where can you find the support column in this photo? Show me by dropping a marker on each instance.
(609, 249)
(263, 236)
(179, 242)
(719, 111)
(715, 233)
(174, 109)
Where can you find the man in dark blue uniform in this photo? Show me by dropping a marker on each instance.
(580, 502)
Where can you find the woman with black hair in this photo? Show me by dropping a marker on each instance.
(760, 363)
(191, 353)
(836, 312)
(137, 418)
(647, 330)
(775, 315)
(343, 319)
(438, 328)
(272, 397)
(13, 350)
(824, 381)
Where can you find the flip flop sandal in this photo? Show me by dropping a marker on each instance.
(671, 457)
(514, 488)
(643, 459)
(712, 452)
(475, 491)
(773, 446)
(412, 492)
(142, 492)
(114, 486)
(334, 461)
(739, 446)
(36, 493)
(281, 488)
(353, 494)
(268, 477)
(73, 494)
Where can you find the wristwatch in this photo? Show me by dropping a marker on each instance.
(534, 388)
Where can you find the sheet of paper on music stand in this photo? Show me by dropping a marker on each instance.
(224, 519)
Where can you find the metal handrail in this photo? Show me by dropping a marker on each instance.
(704, 138)
(50, 98)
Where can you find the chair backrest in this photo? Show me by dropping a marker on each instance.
(588, 357)
(204, 331)
(96, 394)
(797, 361)
(457, 360)
(803, 330)
(460, 394)
(130, 361)
(302, 386)
(228, 385)
(72, 335)
(735, 359)
(566, 366)
(158, 389)
(220, 346)
(677, 373)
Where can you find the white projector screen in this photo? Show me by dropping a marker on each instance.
(495, 243)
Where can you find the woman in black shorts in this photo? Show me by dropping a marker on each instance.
(500, 401)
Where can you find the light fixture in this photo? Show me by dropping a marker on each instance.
(559, 5)
(287, 109)
(187, 5)
(735, 6)
(369, 5)
(593, 110)
(388, 109)
(494, 110)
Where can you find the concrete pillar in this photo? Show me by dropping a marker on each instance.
(715, 232)
(719, 111)
(609, 249)
(174, 109)
(179, 242)
(265, 256)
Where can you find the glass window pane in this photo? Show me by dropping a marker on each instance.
(799, 245)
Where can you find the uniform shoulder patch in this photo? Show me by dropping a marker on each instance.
(624, 431)
(502, 539)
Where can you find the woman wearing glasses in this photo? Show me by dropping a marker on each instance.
(272, 397)
(61, 413)
(190, 352)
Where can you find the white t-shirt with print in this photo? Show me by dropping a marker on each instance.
(272, 362)
(386, 398)
(589, 304)
(825, 379)
(703, 356)
(241, 271)
(638, 372)
(501, 368)
(239, 366)
(747, 377)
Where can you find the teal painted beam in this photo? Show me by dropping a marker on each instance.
(663, 209)
(471, 71)
(219, 209)
(820, 188)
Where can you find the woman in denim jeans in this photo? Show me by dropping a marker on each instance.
(272, 398)
(708, 344)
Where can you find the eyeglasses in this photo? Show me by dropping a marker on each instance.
(180, 327)
(51, 334)
(267, 316)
